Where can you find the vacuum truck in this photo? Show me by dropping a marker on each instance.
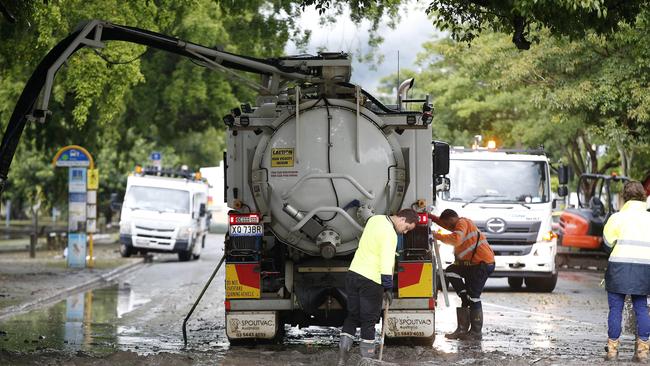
(304, 172)
(306, 165)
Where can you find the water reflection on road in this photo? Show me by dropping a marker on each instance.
(86, 321)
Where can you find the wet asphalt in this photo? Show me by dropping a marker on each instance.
(138, 320)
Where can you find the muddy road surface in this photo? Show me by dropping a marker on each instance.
(138, 321)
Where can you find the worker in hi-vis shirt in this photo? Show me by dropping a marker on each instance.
(473, 265)
(370, 279)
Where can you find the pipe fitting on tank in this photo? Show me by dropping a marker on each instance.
(327, 242)
(292, 211)
(364, 212)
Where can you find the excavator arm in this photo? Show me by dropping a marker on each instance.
(324, 69)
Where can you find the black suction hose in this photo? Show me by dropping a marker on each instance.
(199, 299)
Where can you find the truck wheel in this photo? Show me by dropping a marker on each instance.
(541, 284)
(184, 256)
(125, 250)
(515, 283)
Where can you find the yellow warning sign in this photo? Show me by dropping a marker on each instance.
(93, 179)
(282, 158)
(242, 281)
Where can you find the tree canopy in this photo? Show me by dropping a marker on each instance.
(574, 97)
(123, 102)
(466, 19)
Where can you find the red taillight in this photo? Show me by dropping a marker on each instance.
(423, 218)
(226, 304)
(244, 219)
(432, 303)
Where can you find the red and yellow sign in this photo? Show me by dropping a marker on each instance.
(415, 279)
(242, 281)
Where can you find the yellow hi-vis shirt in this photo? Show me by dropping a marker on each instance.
(628, 232)
(375, 255)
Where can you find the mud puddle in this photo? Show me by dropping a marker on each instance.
(86, 321)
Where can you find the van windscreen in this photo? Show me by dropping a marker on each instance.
(157, 199)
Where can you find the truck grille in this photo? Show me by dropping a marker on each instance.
(154, 229)
(515, 233)
(148, 235)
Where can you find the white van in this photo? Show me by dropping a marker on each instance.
(164, 211)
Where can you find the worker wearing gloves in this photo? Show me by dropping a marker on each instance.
(627, 232)
(370, 278)
(468, 274)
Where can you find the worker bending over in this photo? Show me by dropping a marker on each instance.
(370, 278)
(473, 265)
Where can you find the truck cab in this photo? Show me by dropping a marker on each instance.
(164, 211)
(507, 195)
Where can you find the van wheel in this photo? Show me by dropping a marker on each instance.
(515, 283)
(125, 250)
(541, 284)
(184, 256)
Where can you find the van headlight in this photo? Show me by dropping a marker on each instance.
(125, 228)
(184, 233)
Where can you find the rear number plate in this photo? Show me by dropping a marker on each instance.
(246, 230)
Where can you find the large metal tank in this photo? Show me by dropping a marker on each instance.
(318, 189)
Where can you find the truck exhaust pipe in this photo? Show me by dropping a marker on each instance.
(404, 87)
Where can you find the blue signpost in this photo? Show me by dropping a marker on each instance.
(156, 159)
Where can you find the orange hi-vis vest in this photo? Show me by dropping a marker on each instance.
(469, 243)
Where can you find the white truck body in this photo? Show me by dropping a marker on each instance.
(508, 197)
(164, 214)
(216, 200)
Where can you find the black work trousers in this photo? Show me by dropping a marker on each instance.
(468, 282)
(364, 298)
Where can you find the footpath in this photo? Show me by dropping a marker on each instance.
(27, 283)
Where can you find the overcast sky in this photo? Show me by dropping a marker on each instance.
(413, 29)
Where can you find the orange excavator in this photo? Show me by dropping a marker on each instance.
(580, 238)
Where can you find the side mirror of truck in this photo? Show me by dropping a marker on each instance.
(440, 158)
(563, 175)
(202, 210)
(562, 191)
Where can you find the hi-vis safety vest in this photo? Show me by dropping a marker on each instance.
(375, 255)
(469, 243)
(628, 233)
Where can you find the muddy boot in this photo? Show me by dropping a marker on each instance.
(367, 348)
(612, 349)
(641, 351)
(476, 320)
(462, 316)
(345, 344)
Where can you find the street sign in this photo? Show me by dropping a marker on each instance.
(83, 182)
(77, 250)
(156, 159)
(93, 179)
(77, 180)
(72, 155)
